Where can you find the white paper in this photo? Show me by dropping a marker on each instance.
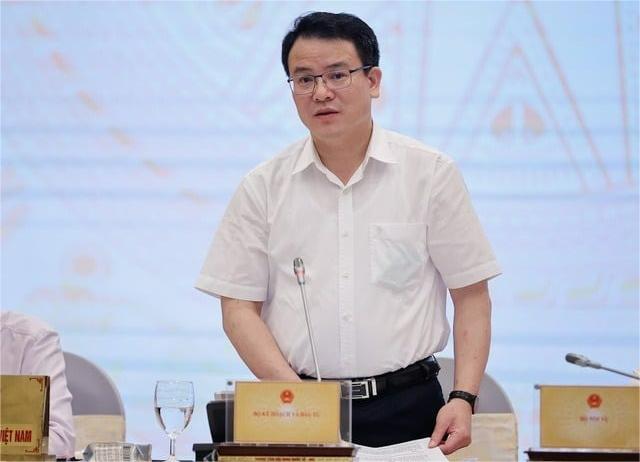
(411, 451)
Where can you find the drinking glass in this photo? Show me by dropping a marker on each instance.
(173, 401)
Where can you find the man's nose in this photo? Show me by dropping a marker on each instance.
(321, 92)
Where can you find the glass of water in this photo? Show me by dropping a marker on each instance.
(173, 401)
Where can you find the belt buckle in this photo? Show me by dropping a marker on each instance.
(360, 388)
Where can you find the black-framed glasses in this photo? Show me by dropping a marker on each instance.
(304, 84)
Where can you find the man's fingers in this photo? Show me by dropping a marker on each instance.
(449, 445)
(438, 433)
(455, 441)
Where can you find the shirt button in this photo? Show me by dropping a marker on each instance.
(345, 234)
(346, 317)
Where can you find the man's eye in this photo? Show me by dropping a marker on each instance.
(304, 80)
(338, 75)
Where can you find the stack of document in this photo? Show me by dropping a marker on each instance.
(411, 451)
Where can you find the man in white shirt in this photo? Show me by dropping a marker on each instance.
(30, 347)
(384, 226)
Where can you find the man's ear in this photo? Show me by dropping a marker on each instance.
(375, 77)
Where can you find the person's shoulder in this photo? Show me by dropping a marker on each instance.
(282, 162)
(415, 149)
(23, 324)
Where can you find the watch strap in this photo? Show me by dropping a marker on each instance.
(465, 396)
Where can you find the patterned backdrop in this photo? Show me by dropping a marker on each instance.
(126, 127)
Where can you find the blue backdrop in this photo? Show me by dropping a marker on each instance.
(127, 126)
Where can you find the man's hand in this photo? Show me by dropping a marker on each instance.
(454, 420)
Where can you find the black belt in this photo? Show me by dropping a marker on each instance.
(363, 388)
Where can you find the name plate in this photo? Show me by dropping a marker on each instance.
(24, 416)
(287, 412)
(589, 417)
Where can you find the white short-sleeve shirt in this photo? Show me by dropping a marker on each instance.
(379, 252)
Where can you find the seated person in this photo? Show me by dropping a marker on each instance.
(30, 347)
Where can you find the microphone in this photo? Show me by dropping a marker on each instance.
(580, 360)
(583, 361)
(298, 270)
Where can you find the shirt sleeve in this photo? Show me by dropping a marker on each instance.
(45, 357)
(456, 241)
(237, 263)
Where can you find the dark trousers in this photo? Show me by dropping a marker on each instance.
(398, 415)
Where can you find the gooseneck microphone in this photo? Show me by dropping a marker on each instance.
(583, 361)
(298, 270)
(580, 360)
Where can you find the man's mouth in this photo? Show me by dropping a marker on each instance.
(325, 112)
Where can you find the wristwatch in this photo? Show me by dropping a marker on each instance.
(463, 395)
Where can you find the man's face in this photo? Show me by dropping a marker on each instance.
(330, 113)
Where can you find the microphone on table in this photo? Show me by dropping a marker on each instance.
(583, 361)
(298, 270)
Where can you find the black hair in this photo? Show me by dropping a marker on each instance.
(330, 26)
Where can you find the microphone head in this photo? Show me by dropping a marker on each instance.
(578, 360)
(298, 269)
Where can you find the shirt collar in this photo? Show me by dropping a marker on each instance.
(378, 149)
(306, 157)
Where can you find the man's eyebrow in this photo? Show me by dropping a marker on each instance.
(338, 65)
(308, 70)
(298, 70)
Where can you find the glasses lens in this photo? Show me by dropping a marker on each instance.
(337, 79)
(301, 84)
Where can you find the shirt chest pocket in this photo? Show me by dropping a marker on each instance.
(398, 253)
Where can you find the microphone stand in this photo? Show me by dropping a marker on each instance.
(583, 361)
(298, 269)
(626, 374)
